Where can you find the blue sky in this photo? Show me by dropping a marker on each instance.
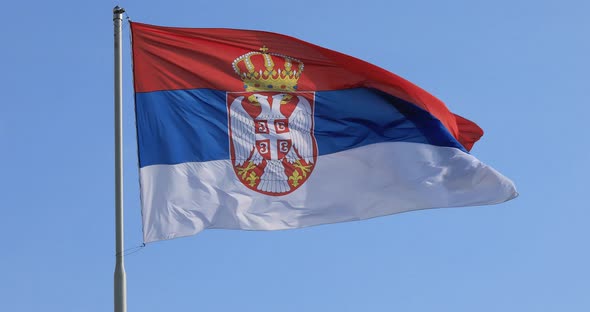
(517, 68)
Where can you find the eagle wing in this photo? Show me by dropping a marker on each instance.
(242, 132)
(300, 123)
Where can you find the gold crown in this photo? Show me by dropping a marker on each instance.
(263, 71)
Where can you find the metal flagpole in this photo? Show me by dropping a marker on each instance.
(120, 278)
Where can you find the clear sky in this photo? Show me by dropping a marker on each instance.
(517, 68)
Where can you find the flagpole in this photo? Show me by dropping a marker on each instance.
(120, 278)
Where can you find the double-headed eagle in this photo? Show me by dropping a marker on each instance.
(272, 137)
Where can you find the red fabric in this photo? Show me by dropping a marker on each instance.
(469, 132)
(170, 58)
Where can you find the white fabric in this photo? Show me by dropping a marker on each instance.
(370, 181)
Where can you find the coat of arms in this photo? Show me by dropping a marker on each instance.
(273, 149)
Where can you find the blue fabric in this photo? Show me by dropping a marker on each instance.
(192, 125)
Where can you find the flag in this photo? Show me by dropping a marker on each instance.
(253, 130)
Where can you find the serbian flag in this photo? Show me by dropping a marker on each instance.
(253, 130)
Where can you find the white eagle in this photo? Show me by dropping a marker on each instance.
(275, 138)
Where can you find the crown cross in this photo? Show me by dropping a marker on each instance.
(264, 71)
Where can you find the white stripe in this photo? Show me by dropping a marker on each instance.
(370, 181)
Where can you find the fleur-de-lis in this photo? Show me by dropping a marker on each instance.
(295, 177)
(252, 178)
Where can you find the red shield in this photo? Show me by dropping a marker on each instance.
(262, 127)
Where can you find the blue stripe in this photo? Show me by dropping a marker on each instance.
(191, 125)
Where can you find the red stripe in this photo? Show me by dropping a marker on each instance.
(169, 58)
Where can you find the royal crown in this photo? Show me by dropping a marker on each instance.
(264, 71)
